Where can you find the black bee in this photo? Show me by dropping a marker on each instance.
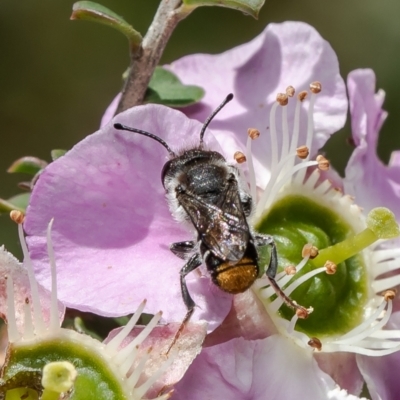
(203, 189)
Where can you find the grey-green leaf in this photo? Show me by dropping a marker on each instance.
(18, 202)
(91, 11)
(165, 88)
(251, 7)
(57, 153)
(27, 165)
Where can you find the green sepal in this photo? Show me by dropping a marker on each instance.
(91, 11)
(57, 153)
(18, 202)
(95, 379)
(338, 300)
(166, 88)
(79, 325)
(22, 393)
(27, 165)
(251, 7)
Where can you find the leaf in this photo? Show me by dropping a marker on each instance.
(251, 7)
(27, 165)
(57, 153)
(91, 11)
(165, 88)
(18, 202)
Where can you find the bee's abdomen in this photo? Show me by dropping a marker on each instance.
(235, 278)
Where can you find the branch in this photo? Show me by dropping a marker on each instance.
(147, 57)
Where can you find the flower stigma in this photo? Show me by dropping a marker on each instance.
(330, 253)
(45, 361)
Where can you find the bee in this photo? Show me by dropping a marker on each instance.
(202, 188)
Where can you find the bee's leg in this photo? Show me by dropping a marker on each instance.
(193, 263)
(262, 240)
(182, 249)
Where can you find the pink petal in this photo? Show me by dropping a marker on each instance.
(11, 267)
(271, 368)
(184, 351)
(342, 368)
(248, 318)
(290, 53)
(110, 111)
(381, 374)
(371, 182)
(112, 226)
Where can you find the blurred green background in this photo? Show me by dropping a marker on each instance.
(57, 75)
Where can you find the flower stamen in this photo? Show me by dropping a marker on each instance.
(239, 157)
(141, 390)
(290, 270)
(29, 329)
(285, 128)
(37, 310)
(296, 126)
(284, 168)
(323, 163)
(389, 294)
(274, 140)
(315, 343)
(54, 319)
(309, 250)
(252, 134)
(292, 324)
(277, 303)
(330, 267)
(12, 329)
(302, 152)
(131, 348)
(310, 125)
(290, 91)
(282, 278)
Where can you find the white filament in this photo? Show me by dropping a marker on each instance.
(37, 310)
(274, 140)
(12, 329)
(276, 304)
(285, 133)
(54, 320)
(283, 278)
(141, 390)
(133, 379)
(123, 353)
(29, 331)
(115, 342)
(310, 129)
(252, 174)
(287, 178)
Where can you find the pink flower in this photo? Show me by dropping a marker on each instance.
(367, 178)
(132, 363)
(113, 227)
(257, 355)
(112, 224)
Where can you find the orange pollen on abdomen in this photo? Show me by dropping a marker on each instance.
(236, 278)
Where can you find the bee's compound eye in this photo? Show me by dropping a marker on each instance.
(164, 171)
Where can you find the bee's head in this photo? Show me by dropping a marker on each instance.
(201, 153)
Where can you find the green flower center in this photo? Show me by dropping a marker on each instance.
(94, 376)
(338, 300)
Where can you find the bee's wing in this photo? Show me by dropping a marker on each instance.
(223, 228)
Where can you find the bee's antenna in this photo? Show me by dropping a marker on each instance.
(158, 139)
(209, 119)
